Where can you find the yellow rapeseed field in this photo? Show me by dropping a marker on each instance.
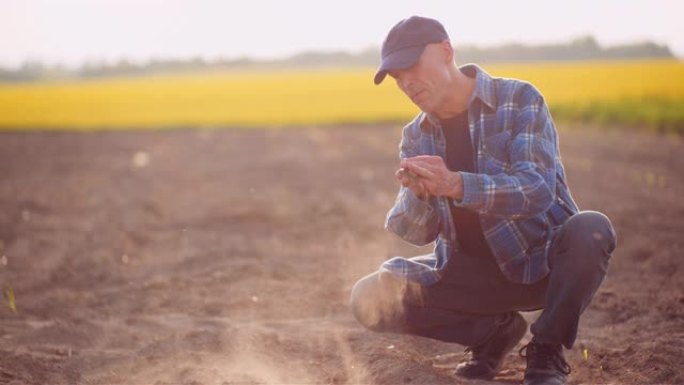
(649, 92)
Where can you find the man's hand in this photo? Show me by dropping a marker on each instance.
(433, 177)
(410, 180)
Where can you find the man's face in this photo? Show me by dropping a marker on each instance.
(426, 82)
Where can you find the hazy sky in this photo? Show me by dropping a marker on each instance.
(71, 31)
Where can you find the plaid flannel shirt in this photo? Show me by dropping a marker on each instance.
(518, 187)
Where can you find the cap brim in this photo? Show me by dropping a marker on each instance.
(401, 59)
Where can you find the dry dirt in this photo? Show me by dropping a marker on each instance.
(227, 257)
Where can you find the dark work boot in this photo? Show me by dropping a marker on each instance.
(546, 364)
(486, 359)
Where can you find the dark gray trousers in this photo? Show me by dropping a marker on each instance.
(474, 297)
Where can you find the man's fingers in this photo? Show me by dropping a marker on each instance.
(406, 181)
(405, 173)
(422, 171)
(425, 160)
(420, 159)
(413, 184)
(424, 166)
(410, 180)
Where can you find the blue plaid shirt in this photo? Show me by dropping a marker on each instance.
(518, 187)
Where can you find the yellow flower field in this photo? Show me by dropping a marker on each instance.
(641, 93)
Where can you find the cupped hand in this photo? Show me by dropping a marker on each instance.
(410, 180)
(433, 176)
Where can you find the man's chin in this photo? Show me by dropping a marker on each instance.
(425, 109)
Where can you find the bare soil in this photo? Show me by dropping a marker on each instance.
(227, 257)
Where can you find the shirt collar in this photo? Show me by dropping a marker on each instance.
(484, 88)
(484, 91)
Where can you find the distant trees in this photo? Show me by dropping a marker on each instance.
(583, 48)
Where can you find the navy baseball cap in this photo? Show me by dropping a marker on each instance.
(406, 41)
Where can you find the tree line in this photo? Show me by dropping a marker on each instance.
(583, 48)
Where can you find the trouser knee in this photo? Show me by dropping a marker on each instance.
(377, 301)
(586, 239)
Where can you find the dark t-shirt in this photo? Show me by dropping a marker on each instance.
(460, 157)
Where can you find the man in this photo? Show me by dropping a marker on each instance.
(481, 176)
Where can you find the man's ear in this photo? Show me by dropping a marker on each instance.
(449, 51)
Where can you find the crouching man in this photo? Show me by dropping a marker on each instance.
(481, 176)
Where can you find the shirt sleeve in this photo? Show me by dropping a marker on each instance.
(528, 188)
(411, 218)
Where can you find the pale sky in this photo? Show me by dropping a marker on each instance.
(72, 31)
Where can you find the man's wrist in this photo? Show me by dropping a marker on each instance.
(456, 190)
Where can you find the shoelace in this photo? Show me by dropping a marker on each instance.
(544, 356)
